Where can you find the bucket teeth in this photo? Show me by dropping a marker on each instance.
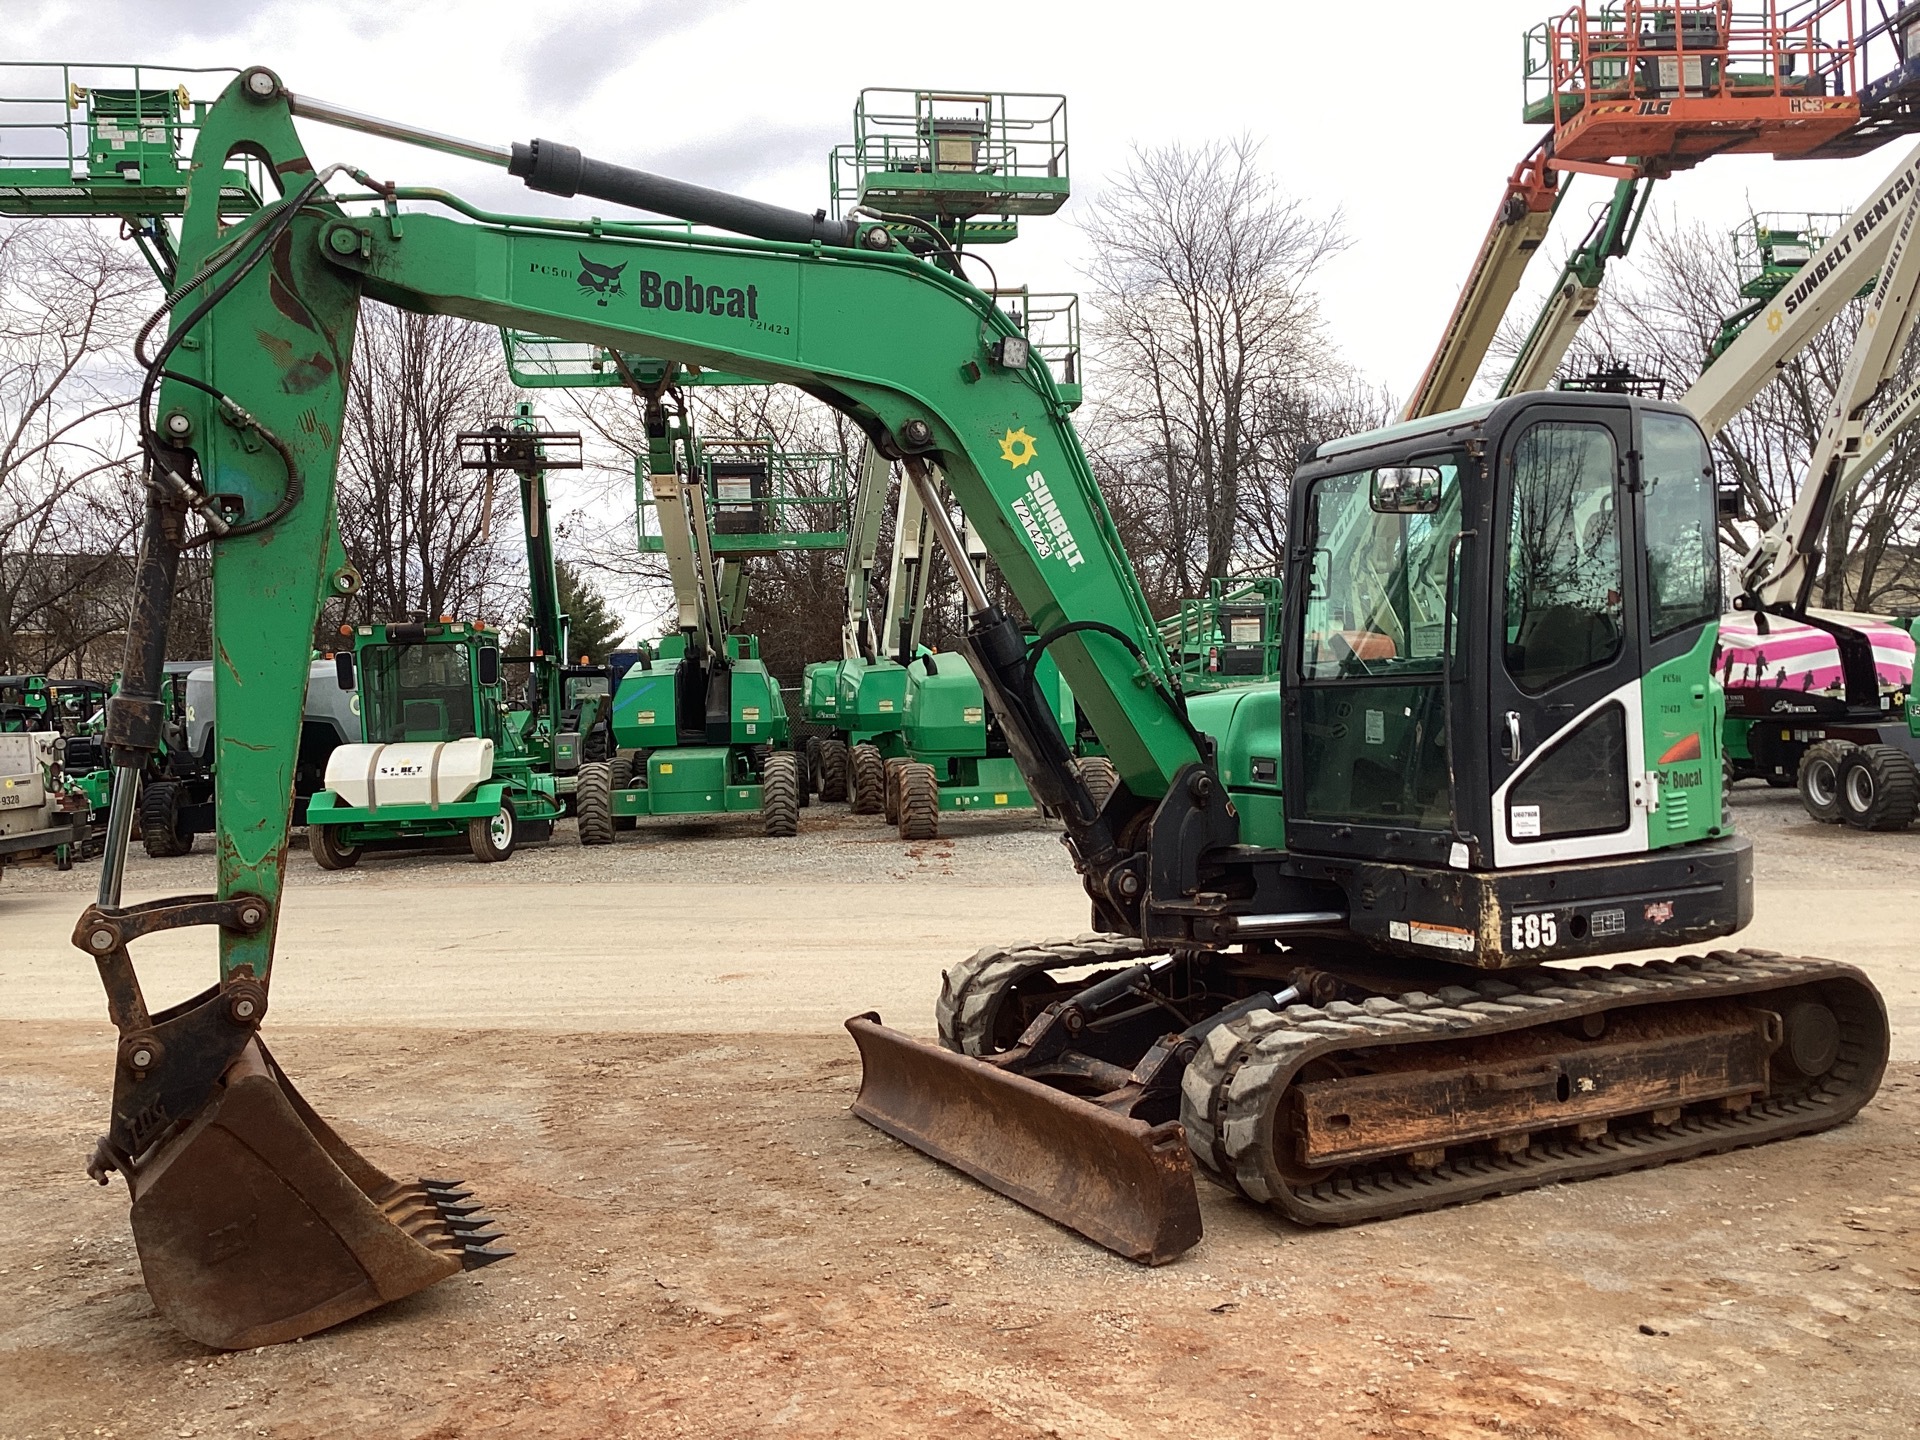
(458, 1217)
(475, 1227)
(472, 1257)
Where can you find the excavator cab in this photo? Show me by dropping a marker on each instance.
(1501, 633)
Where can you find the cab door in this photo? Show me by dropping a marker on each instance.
(1565, 735)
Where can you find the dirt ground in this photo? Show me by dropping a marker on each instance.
(710, 1245)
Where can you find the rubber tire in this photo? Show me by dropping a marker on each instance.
(1819, 774)
(895, 764)
(834, 765)
(780, 795)
(869, 780)
(593, 804)
(486, 847)
(1879, 788)
(328, 853)
(620, 770)
(919, 802)
(160, 829)
(596, 744)
(1100, 778)
(810, 781)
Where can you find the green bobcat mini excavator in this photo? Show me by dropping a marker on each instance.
(1495, 743)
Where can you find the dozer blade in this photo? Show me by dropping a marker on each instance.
(1120, 1182)
(257, 1224)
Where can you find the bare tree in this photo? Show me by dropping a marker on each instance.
(1210, 351)
(1664, 319)
(426, 535)
(69, 301)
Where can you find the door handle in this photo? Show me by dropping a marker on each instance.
(1510, 742)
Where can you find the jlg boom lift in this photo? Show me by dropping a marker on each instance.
(566, 721)
(700, 726)
(1853, 757)
(1637, 91)
(1497, 745)
(860, 699)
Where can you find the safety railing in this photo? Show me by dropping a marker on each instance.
(954, 154)
(1051, 323)
(1229, 635)
(543, 362)
(1654, 52)
(108, 140)
(761, 499)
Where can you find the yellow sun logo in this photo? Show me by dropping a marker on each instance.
(1775, 320)
(1017, 448)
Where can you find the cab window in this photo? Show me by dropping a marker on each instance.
(1683, 548)
(1564, 606)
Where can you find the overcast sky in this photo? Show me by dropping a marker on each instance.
(1404, 116)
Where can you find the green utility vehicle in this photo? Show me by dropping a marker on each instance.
(30, 703)
(436, 759)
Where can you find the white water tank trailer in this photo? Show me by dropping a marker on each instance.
(423, 773)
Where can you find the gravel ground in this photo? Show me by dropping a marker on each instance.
(1014, 846)
(634, 1054)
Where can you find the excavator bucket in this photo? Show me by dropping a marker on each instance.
(256, 1223)
(1120, 1182)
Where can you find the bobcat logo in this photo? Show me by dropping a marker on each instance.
(602, 281)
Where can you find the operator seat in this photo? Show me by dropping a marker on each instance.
(424, 720)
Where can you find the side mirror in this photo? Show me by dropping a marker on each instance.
(343, 669)
(1406, 489)
(1729, 501)
(489, 664)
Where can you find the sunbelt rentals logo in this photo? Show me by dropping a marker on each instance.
(1036, 510)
